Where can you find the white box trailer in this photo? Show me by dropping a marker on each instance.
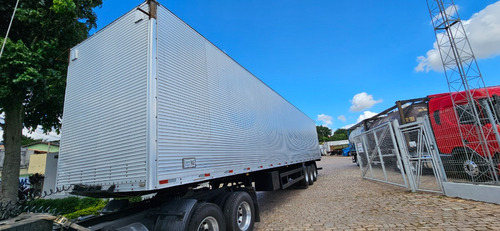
(334, 147)
(151, 104)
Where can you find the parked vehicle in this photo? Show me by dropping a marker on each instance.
(154, 108)
(473, 157)
(334, 147)
(347, 151)
(439, 108)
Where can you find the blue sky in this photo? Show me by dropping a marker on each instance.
(319, 54)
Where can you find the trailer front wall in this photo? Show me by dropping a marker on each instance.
(105, 111)
(215, 114)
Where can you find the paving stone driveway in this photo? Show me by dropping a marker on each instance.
(342, 200)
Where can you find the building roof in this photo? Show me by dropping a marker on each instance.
(43, 146)
(54, 143)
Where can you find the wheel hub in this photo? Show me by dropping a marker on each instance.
(209, 224)
(244, 215)
(471, 168)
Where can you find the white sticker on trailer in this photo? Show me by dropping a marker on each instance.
(189, 163)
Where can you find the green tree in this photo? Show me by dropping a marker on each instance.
(33, 70)
(28, 140)
(339, 134)
(323, 133)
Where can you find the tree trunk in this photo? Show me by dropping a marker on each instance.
(11, 164)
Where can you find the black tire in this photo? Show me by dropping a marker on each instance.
(239, 212)
(362, 160)
(304, 183)
(207, 216)
(395, 164)
(471, 166)
(355, 158)
(315, 172)
(311, 174)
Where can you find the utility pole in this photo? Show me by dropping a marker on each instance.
(8, 29)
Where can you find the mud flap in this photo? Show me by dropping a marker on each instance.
(175, 214)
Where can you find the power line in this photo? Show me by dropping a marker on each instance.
(8, 29)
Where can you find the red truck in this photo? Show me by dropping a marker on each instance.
(470, 159)
(473, 157)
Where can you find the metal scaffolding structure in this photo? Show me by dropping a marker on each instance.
(465, 81)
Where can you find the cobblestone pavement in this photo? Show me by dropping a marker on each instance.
(342, 200)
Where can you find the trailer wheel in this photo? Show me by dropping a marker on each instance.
(311, 174)
(207, 217)
(315, 172)
(239, 212)
(304, 183)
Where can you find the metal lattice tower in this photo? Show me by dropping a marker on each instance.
(464, 80)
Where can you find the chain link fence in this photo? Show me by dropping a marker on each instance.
(423, 166)
(433, 149)
(403, 155)
(378, 156)
(466, 156)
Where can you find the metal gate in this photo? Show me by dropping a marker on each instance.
(420, 156)
(379, 157)
(403, 155)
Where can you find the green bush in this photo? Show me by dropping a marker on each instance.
(87, 211)
(73, 207)
(68, 205)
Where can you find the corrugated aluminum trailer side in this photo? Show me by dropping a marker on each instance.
(151, 104)
(216, 114)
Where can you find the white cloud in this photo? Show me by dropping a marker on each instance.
(348, 126)
(483, 31)
(326, 119)
(341, 118)
(365, 115)
(363, 101)
(431, 61)
(39, 134)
